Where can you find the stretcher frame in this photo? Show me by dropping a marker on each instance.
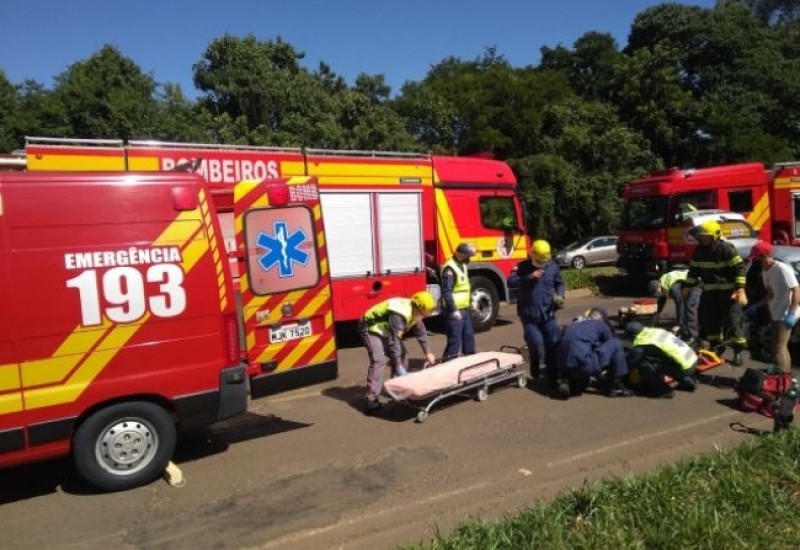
(464, 387)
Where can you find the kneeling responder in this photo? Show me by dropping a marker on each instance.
(657, 353)
(670, 284)
(382, 329)
(588, 349)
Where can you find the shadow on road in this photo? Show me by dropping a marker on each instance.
(34, 480)
(622, 285)
(217, 439)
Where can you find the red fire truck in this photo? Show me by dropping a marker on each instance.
(120, 324)
(653, 229)
(390, 218)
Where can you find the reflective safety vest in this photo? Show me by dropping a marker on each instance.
(671, 277)
(670, 344)
(461, 290)
(377, 317)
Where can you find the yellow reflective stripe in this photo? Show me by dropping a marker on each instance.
(10, 403)
(9, 377)
(86, 373)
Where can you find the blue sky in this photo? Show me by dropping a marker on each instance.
(401, 40)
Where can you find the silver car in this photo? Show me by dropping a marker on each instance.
(594, 251)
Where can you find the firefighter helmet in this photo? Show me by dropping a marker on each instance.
(541, 250)
(424, 302)
(710, 228)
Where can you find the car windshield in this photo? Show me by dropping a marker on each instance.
(576, 244)
(644, 213)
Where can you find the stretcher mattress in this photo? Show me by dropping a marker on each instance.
(450, 374)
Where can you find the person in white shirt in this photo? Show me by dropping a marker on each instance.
(783, 300)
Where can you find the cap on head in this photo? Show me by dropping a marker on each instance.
(633, 328)
(654, 287)
(596, 312)
(760, 249)
(466, 249)
(540, 251)
(424, 302)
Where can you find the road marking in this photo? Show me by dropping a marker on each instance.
(600, 450)
(293, 397)
(295, 537)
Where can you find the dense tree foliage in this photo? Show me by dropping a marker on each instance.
(692, 87)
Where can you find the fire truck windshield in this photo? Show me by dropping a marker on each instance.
(644, 213)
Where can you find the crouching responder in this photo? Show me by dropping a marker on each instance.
(719, 270)
(670, 284)
(588, 349)
(540, 294)
(657, 353)
(457, 298)
(382, 329)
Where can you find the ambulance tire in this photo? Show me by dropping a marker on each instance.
(485, 303)
(143, 435)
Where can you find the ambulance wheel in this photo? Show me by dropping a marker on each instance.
(483, 394)
(485, 303)
(124, 445)
(522, 381)
(422, 416)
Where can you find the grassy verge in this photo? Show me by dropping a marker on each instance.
(748, 497)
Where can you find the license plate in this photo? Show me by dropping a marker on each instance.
(289, 332)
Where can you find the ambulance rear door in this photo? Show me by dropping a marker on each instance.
(285, 283)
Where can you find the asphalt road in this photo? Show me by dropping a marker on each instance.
(307, 469)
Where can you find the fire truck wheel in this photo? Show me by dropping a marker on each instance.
(124, 445)
(485, 303)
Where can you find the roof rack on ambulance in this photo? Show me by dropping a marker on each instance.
(365, 154)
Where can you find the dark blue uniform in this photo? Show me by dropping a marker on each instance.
(587, 347)
(536, 310)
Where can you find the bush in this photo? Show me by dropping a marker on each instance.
(578, 278)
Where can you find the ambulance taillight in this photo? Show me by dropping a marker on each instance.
(231, 331)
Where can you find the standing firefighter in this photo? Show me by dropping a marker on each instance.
(540, 294)
(457, 297)
(382, 328)
(719, 270)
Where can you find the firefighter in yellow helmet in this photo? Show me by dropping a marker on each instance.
(382, 328)
(540, 292)
(718, 269)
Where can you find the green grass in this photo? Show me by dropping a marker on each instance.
(587, 278)
(748, 497)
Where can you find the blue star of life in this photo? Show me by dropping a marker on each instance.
(282, 249)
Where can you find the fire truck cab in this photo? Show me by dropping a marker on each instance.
(653, 228)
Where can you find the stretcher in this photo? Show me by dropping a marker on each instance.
(422, 389)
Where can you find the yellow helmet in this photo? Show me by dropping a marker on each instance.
(710, 228)
(424, 302)
(541, 250)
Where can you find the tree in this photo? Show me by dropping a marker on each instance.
(587, 154)
(107, 96)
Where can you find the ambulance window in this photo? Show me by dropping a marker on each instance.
(280, 249)
(741, 201)
(498, 213)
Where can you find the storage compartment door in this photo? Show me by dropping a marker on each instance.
(349, 232)
(400, 231)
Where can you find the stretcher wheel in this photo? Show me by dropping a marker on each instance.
(522, 380)
(483, 393)
(422, 416)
